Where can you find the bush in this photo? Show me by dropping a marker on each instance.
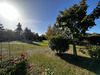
(15, 66)
(59, 43)
(94, 52)
(94, 40)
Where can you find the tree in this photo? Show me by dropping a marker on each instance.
(96, 12)
(1, 32)
(1, 27)
(9, 35)
(76, 20)
(49, 31)
(19, 31)
(42, 37)
(54, 30)
(28, 34)
(36, 36)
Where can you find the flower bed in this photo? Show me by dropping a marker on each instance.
(15, 66)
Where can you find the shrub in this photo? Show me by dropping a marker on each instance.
(94, 40)
(94, 52)
(58, 43)
(15, 66)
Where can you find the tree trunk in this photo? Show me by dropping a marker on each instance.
(74, 46)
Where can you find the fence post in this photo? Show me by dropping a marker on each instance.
(9, 50)
(1, 52)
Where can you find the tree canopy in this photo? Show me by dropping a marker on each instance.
(76, 20)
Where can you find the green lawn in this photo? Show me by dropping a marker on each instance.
(43, 44)
(42, 57)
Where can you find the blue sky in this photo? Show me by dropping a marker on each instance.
(38, 14)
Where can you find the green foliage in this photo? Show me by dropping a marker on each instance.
(42, 37)
(19, 31)
(94, 52)
(19, 34)
(94, 40)
(2, 72)
(49, 31)
(96, 12)
(59, 43)
(27, 34)
(14, 66)
(52, 31)
(48, 72)
(71, 18)
(76, 20)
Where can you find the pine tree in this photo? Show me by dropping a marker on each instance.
(19, 31)
(1, 32)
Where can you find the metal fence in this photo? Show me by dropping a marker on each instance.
(8, 50)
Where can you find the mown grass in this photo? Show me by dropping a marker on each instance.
(70, 51)
(59, 66)
(15, 48)
(43, 44)
(42, 57)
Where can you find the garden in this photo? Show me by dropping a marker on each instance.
(66, 48)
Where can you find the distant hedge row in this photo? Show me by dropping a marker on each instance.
(94, 40)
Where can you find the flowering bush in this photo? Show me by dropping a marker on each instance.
(15, 66)
(22, 54)
(0, 57)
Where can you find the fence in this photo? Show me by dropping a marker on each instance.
(8, 50)
(9, 53)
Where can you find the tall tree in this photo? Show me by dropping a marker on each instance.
(36, 36)
(76, 20)
(19, 31)
(28, 34)
(1, 27)
(49, 31)
(96, 12)
(9, 35)
(54, 29)
(1, 32)
(43, 37)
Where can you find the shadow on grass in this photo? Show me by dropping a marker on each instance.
(35, 44)
(31, 42)
(82, 62)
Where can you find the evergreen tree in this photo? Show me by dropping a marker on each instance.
(1, 32)
(1, 27)
(28, 34)
(19, 31)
